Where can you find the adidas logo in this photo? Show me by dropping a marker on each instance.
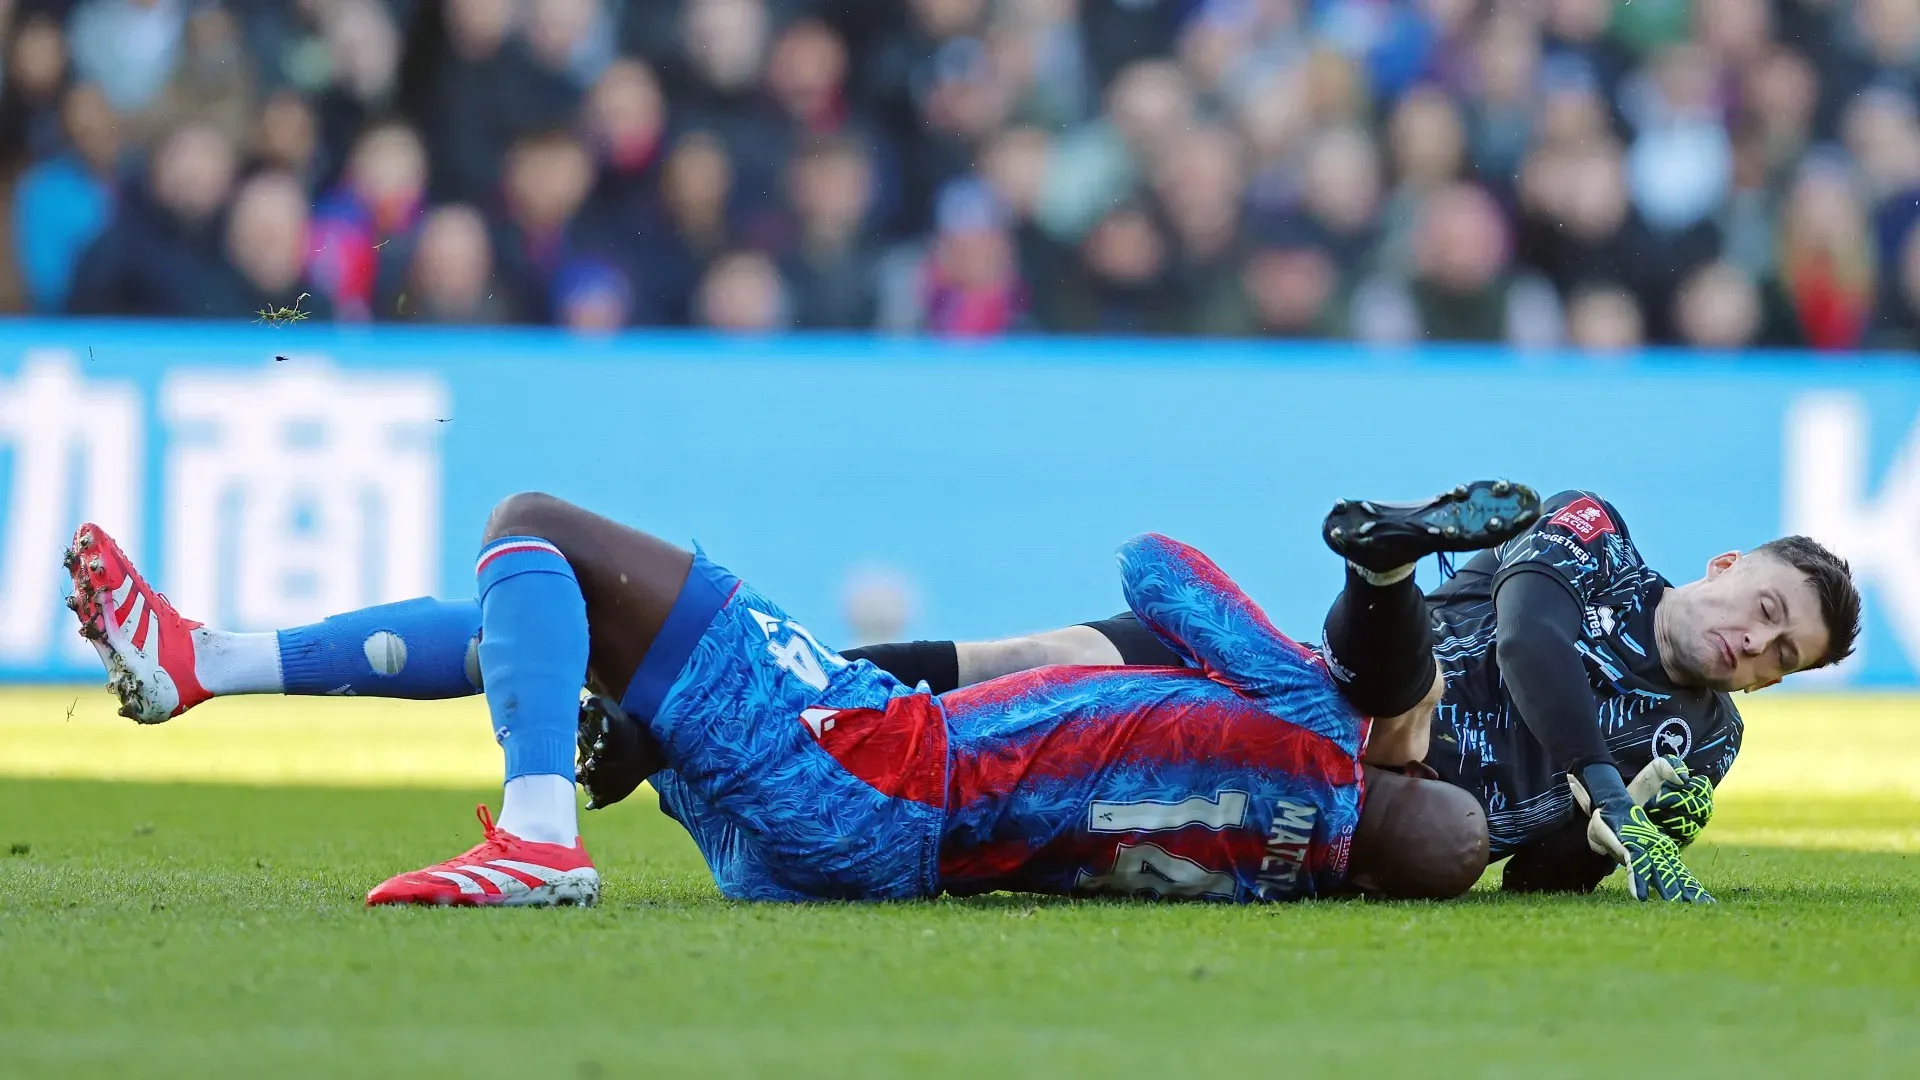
(508, 877)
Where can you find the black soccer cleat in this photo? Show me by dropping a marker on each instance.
(1381, 536)
(615, 752)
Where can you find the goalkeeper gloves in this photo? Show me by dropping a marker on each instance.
(1678, 801)
(1619, 827)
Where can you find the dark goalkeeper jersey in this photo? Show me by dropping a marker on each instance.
(1479, 740)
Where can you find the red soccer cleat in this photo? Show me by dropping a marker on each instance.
(502, 869)
(146, 645)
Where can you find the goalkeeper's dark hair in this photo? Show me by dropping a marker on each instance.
(1832, 581)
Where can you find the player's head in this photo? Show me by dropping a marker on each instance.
(1418, 839)
(1788, 605)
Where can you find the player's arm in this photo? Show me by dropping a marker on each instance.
(949, 665)
(1199, 613)
(1537, 643)
(1192, 606)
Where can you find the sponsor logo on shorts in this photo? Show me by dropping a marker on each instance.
(1673, 736)
(1585, 518)
(1287, 844)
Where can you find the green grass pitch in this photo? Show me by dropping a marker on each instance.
(198, 930)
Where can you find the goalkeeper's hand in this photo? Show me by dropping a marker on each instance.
(1619, 827)
(1678, 801)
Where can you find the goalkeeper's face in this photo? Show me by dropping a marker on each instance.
(1751, 622)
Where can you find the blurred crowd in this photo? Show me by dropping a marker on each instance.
(1722, 173)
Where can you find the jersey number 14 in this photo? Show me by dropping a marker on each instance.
(1148, 868)
(800, 655)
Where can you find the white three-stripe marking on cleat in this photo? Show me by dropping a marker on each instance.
(467, 884)
(507, 884)
(134, 615)
(546, 874)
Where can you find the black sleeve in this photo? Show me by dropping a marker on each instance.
(936, 663)
(1561, 861)
(1537, 644)
(1139, 646)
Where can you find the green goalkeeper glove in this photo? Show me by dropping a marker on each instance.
(1678, 800)
(1619, 827)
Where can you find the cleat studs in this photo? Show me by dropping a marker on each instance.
(1502, 488)
(1340, 506)
(1367, 527)
(1459, 494)
(71, 560)
(1337, 534)
(97, 566)
(1495, 524)
(1450, 531)
(73, 601)
(1369, 508)
(85, 541)
(1433, 530)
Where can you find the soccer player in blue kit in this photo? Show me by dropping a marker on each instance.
(1240, 775)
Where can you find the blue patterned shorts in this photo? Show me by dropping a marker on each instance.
(799, 774)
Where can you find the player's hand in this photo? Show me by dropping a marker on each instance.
(1619, 826)
(1678, 801)
(615, 752)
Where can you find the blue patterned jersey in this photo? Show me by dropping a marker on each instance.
(1235, 778)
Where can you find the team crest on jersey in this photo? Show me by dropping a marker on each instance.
(1585, 518)
(1674, 737)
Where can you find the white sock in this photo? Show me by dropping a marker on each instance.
(541, 808)
(237, 663)
(1383, 577)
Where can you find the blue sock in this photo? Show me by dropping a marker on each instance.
(419, 649)
(533, 652)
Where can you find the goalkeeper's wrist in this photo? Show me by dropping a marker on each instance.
(1607, 788)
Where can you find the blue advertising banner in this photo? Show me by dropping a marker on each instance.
(886, 488)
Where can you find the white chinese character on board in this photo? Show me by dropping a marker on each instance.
(300, 491)
(69, 450)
